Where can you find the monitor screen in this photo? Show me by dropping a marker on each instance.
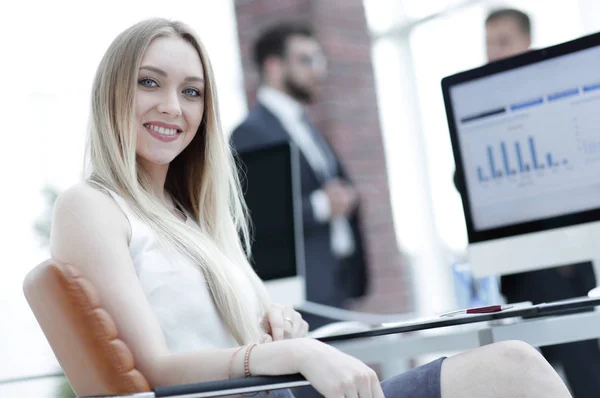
(527, 135)
(267, 181)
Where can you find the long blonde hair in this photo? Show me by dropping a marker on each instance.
(202, 178)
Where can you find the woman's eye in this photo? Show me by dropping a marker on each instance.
(146, 82)
(192, 92)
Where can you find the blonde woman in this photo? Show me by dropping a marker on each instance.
(156, 228)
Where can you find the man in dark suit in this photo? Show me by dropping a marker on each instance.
(508, 33)
(292, 66)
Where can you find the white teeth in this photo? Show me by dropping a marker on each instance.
(161, 130)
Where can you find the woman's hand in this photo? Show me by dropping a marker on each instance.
(281, 322)
(335, 374)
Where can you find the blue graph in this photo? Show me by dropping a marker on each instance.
(527, 160)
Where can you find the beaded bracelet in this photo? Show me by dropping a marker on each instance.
(247, 360)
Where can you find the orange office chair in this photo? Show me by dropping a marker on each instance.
(86, 342)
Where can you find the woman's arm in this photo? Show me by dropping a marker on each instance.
(90, 231)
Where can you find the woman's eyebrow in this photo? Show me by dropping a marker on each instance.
(164, 74)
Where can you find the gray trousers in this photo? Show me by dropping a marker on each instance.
(421, 382)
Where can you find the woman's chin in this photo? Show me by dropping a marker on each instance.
(157, 160)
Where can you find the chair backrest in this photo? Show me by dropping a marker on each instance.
(82, 334)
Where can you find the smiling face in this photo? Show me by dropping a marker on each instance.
(169, 100)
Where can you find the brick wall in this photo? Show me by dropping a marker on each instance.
(347, 114)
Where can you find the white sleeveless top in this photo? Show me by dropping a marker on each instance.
(176, 290)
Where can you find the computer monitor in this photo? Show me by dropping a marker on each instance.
(525, 134)
(270, 182)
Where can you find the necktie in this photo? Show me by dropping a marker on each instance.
(330, 160)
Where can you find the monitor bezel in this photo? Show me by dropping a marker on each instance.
(528, 58)
(292, 154)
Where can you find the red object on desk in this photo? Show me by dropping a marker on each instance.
(484, 310)
(478, 310)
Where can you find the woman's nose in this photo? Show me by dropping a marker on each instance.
(170, 104)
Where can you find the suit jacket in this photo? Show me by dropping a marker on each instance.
(329, 280)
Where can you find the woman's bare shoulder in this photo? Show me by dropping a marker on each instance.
(88, 202)
(85, 216)
(83, 191)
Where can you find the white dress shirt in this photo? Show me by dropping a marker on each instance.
(291, 115)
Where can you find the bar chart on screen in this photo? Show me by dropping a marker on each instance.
(523, 157)
(529, 155)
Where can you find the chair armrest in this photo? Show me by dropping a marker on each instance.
(231, 387)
